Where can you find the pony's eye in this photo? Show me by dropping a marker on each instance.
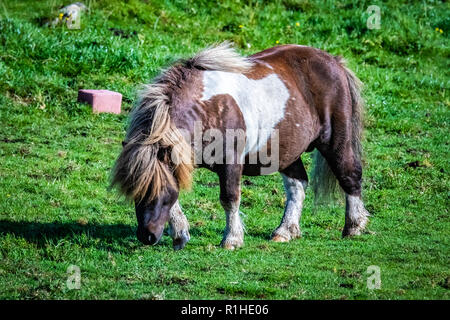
(162, 154)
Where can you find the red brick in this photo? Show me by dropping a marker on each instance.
(101, 100)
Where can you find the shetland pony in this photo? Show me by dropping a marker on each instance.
(239, 116)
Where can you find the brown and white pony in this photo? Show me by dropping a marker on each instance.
(300, 97)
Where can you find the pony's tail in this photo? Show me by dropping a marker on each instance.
(355, 86)
(323, 181)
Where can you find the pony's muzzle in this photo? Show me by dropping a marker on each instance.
(152, 239)
(147, 237)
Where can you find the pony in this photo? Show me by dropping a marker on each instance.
(235, 116)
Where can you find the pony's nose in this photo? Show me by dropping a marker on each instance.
(147, 237)
(143, 236)
(152, 239)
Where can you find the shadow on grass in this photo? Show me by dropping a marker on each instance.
(114, 237)
(208, 231)
(109, 237)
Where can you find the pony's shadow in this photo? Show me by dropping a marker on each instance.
(202, 232)
(114, 237)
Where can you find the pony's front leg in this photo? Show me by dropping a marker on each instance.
(178, 227)
(295, 193)
(230, 196)
(295, 181)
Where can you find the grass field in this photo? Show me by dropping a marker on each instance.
(55, 155)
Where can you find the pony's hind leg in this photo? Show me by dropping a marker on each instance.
(230, 196)
(178, 227)
(347, 168)
(349, 174)
(295, 181)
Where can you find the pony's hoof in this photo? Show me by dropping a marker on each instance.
(351, 232)
(283, 234)
(231, 245)
(180, 243)
(278, 238)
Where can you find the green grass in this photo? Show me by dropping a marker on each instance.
(55, 210)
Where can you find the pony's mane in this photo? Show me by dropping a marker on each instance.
(155, 154)
(221, 57)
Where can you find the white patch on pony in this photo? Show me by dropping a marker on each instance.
(178, 226)
(356, 215)
(262, 102)
(295, 195)
(233, 236)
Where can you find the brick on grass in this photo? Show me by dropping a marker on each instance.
(101, 100)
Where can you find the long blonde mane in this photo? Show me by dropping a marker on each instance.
(141, 170)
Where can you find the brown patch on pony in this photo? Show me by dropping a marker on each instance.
(155, 154)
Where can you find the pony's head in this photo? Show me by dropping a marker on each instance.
(155, 163)
(153, 213)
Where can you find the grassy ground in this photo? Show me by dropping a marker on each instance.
(56, 155)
